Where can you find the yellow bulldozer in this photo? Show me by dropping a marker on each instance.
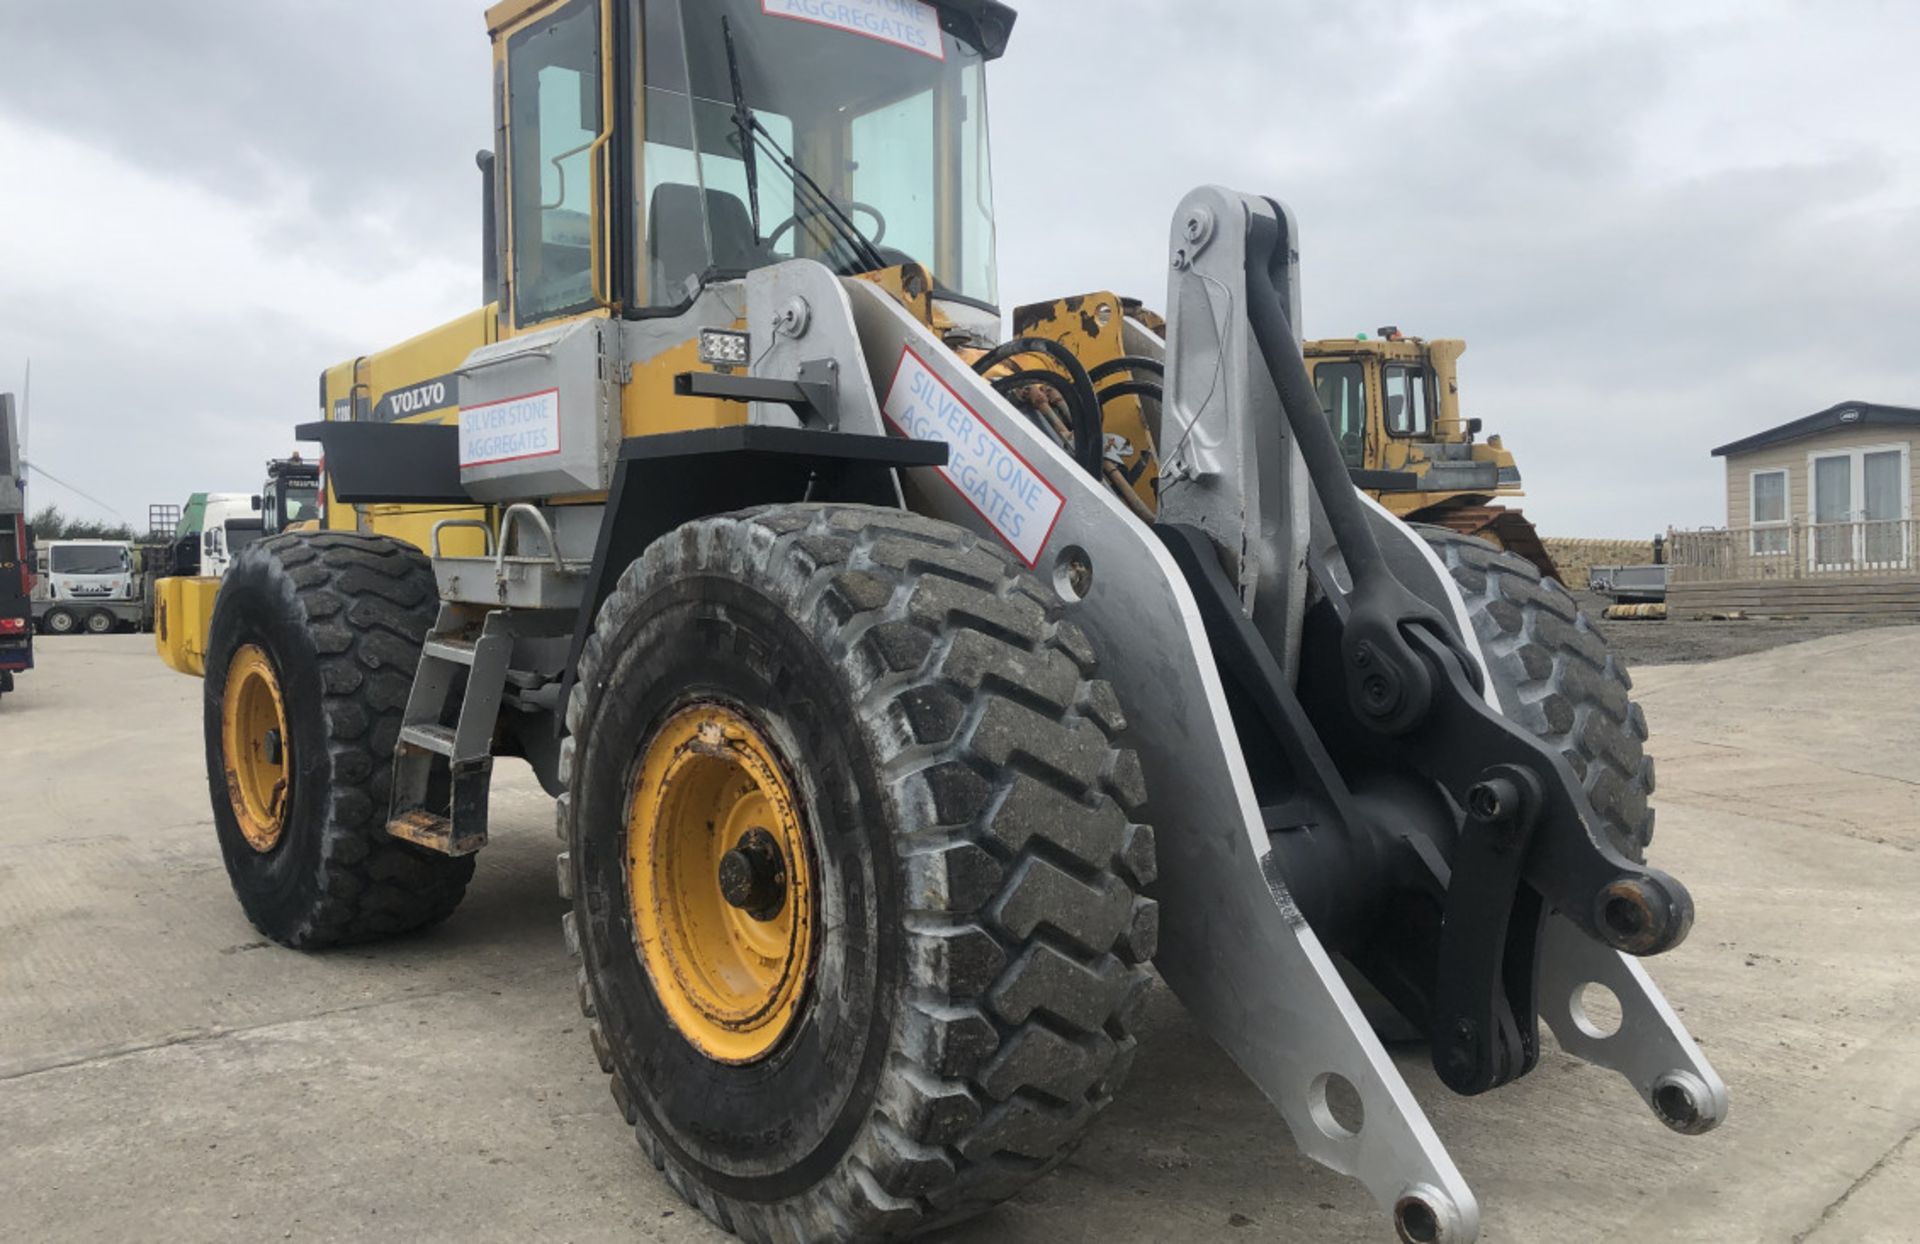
(905, 690)
(1394, 402)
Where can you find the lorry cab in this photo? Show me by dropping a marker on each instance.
(83, 584)
(232, 521)
(85, 570)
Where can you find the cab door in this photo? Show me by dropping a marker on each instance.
(1342, 388)
(554, 124)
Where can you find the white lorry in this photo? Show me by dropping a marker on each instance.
(232, 521)
(90, 585)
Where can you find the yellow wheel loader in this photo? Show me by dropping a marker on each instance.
(904, 692)
(1394, 402)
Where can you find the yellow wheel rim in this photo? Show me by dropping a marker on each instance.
(256, 747)
(721, 881)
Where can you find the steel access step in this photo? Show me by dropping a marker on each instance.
(450, 717)
(436, 739)
(434, 832)
(450, 649)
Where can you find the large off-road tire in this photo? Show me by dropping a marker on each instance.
(102, 622)
(321, 634)
(973, 864)
(60, 622)
(1554, 674)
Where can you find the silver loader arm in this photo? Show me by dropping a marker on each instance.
(1233, 946)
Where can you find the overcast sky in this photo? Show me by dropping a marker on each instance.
(1659, 227)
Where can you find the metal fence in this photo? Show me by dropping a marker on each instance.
(1871, 548)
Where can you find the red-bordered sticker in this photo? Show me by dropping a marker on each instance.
(908, 24)
(989, 474)
(512, 429)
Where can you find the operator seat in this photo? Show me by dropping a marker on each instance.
(677, 243)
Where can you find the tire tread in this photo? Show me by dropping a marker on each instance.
(367, 602)
(1557, 676)
(1021, 846)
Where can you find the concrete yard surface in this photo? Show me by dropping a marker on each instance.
(166, 1075)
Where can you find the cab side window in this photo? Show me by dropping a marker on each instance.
(1406, 393)
(553, 122)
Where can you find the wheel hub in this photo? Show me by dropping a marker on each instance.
(720, 881)
(753, 877)
(253, 732)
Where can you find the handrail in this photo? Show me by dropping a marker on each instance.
(1797, 549)
(433, 541)
(523, 510)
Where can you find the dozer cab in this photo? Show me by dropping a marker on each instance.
(1394, 402)
(904, 691)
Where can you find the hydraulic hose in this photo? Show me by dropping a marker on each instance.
(1009, 386)
(1132, 388)
(1135, 363)
(1083, 401)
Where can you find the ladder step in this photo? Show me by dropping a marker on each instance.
(433, 738)
(448, 648)
(435, 833)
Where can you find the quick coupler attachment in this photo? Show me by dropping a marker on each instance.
(1515, 837)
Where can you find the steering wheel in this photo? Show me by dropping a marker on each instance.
(878, 235)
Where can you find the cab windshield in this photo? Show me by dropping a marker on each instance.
(302, 503)
(90, 559)
(873, 101)
(291, 502)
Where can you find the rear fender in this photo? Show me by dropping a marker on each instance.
(182, 617)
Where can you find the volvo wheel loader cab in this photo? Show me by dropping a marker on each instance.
(1394, 403)
(903, 692)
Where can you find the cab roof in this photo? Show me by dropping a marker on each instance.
(1402, 348)
(986, 24)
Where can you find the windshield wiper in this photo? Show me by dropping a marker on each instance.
(753, 134)
(837, 216)
(744, 122)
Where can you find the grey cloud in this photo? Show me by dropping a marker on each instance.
(1495, 173)
(364, 114)
(1593, 196)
